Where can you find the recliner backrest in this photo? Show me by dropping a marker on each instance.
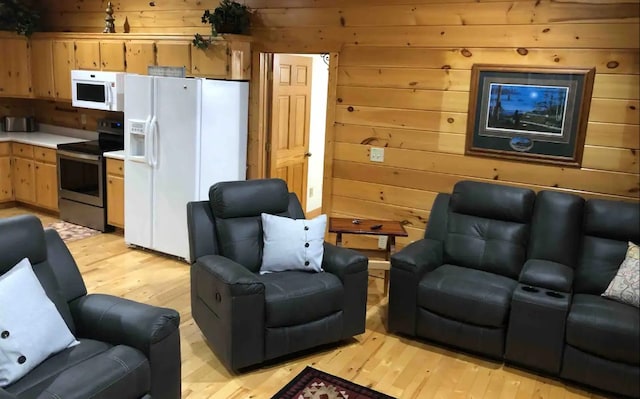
(608, 226)
(236, 207)
(488, 227)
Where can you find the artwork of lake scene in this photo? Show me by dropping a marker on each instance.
(527, 108)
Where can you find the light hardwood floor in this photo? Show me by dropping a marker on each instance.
(397, 366)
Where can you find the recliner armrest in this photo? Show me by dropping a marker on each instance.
(6, 395)
(342, 261)
(547, 274)
(239, 279)
(122, 321)
(201, 230)
(418, 257)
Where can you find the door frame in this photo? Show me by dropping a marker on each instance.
(260, 120)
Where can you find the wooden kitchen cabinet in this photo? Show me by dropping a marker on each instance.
(41, 68)
(6, 182)
(140, 54)
(64, 62)
(15, 75)
(115, 192)
(87, 54)
(35, 175)
(211, 62)
(175, 53)
(112, 55)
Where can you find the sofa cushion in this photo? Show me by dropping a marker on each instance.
(604, 328)
(118, 372)
(32, 328)
(292, 244)
(625, 286)
(467, 295)
(295, 297)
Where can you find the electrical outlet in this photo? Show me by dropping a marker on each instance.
(376, 154)
(382, 242)
(83, 119)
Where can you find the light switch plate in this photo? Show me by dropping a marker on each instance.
(382, 242)
(376, 154)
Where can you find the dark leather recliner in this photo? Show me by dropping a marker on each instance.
(249, 318)
(127, 349)
(455, 285)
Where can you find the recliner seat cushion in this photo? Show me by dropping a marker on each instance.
(605, 328)
(92, 369)
(467, 295)
(292, 298)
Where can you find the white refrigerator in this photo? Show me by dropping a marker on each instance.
(181, 137)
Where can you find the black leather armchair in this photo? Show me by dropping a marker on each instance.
(455, 285)
(127, 349)
(249, 318)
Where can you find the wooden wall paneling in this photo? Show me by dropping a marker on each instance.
(330, 133)
(608, 60)
(413, 217)
(613, 134)
(405, 78)
(613, 159)
(239, 60)
(63, 114)
(259, 90)
(616, 86)
(112, 55)
(391, 195)
(615, 111)
(455, 101)
(174, 53)
(449, 122)
(140, 55)
(401, 138)
(16, 107)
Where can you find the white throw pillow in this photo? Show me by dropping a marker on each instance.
(31, 328)
(625, 286)
(292, 244)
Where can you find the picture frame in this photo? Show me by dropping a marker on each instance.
(526, 113)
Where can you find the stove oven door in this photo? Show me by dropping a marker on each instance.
(81, 177)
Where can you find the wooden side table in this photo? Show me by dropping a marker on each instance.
(389, 228)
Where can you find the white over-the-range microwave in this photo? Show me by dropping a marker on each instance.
(98, 90)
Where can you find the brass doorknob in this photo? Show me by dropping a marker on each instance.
(307, 154)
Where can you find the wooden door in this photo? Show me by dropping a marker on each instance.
(41, 71)
(174, 53)
(87, 54)
(23, 180)
(290, 110)
(112, 54)
(63, 62)
(46, 185)
(140, 54)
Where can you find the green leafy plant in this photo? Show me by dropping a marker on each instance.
(18, 16)
(229, 17)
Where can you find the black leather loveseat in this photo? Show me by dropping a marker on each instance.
(127, 350)
(516, 276)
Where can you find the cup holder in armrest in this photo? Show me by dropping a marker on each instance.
(554, 294)
(530, 289)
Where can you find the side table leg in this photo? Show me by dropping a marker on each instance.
(391, 247)
(338, 239)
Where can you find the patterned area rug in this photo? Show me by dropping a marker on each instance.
(72, 232)
(315, 384)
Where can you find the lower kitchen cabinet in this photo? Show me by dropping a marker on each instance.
(35, 175)
(115, 192)
(6, 183)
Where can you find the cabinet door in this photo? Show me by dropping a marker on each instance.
(112, 55)
(46, 185)
(140, 54)
(211, 62)
(6, 185)
(115, 201)
(87, 54)
(24, 180)
(174, 53)
(15, 75)
(41, 70)
(63, 62)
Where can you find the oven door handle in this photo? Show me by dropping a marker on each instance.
(77, 155)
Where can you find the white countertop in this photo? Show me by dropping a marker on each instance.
(41, 139)
(115, 155)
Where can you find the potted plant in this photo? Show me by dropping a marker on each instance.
(229, 17)
(18, 16)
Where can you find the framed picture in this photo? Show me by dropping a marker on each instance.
(536, 114)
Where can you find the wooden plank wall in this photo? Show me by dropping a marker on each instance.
(403, 83)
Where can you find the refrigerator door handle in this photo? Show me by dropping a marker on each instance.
(147, 141)
(154, 141)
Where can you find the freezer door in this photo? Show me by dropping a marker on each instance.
(138, 182)
(176, 142)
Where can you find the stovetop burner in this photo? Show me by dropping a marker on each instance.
(95, 147)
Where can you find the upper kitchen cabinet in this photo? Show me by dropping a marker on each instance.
(227, 58)
(100, 55)
(15, 76)
(174, 53)
(41, 70)
(140, 54)
(64, 62)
